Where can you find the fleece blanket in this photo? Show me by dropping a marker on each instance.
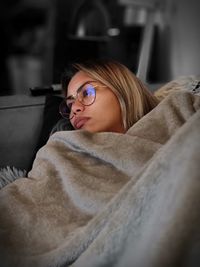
(110, 199)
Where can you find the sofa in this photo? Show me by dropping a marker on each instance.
(26, 122)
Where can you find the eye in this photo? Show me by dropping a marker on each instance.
(88, 91)
(69, 103)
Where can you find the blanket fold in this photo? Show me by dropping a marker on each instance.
(110, 199)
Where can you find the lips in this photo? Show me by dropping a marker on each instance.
(80, 122)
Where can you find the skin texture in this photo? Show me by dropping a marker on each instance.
(104, 115)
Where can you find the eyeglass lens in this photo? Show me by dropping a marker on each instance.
(86, 95)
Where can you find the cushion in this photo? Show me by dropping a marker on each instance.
(52, 120)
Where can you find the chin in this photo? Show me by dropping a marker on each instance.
(92, 129)
(88, 129)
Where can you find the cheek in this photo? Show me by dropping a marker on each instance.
(108, 110)
(112, 107)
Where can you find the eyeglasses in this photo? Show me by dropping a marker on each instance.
(86, 95)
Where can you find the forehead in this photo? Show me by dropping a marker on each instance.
(77, 80)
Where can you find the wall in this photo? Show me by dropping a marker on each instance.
(178, 43)
(27, 45)
(183, 19)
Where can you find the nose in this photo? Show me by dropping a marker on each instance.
(77, 107)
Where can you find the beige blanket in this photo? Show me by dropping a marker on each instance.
(110, 199)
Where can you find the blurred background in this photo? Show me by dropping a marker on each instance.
(158, 40)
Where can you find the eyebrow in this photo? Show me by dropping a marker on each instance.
(69, 97)
(72, 96)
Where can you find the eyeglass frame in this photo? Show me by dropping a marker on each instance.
(75, 97)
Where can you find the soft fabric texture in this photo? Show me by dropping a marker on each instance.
(62, 125)
(109, 199)
(9, 174)
(188, 83)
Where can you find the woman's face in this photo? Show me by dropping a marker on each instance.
(104, 115)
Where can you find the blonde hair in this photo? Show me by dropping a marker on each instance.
(134, 98)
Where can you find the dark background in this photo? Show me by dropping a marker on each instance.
(38, 40)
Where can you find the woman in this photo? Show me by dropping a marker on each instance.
(104, 96)
(108, 199)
